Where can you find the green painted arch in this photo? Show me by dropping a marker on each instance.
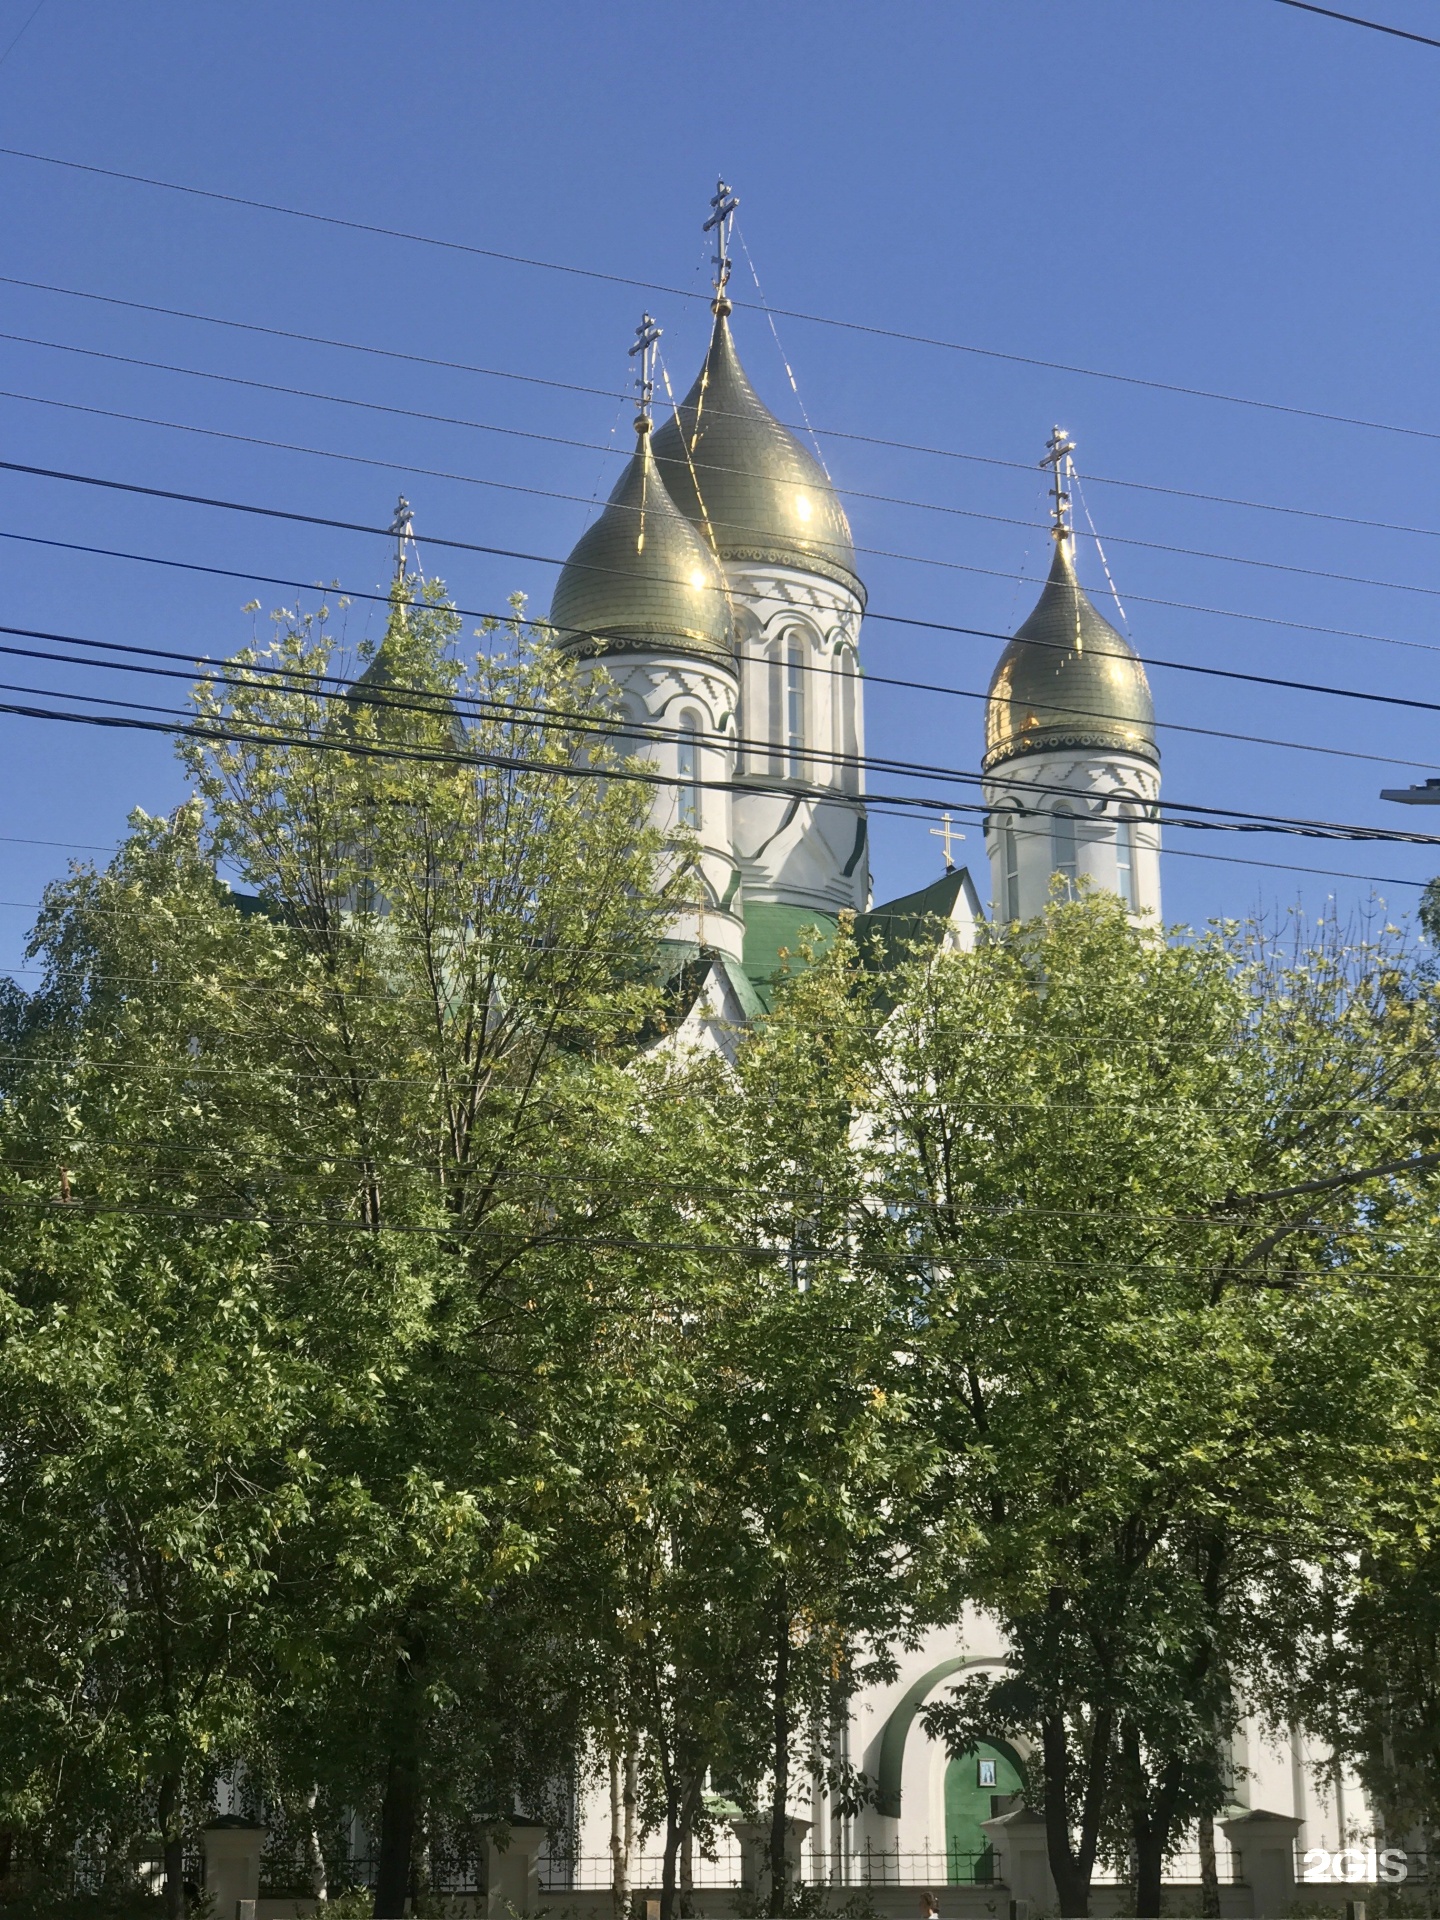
(902, 1718)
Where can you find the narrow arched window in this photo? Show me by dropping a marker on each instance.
(1010, 870)
(794, 710)
(1062, 844)
(688, 769)
(1125, 883)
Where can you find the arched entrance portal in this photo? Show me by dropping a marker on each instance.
(976, 1783)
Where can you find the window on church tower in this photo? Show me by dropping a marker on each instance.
(1010, 864)
(794, 710)
(1062, 844)
(688, 756)
(1125, 863)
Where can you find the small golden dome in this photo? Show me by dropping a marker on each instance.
(1068, 679)
(736, 473)
(641, 577)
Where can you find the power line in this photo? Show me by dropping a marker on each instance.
(691, 294)
(1355, 20)
(589, 446)
(541, 559)
(203, 663)
(264, 734)
(1026, 467)
(500, 616)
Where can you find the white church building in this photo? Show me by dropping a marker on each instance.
(719, 589)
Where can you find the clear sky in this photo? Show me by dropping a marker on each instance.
(1226, 194)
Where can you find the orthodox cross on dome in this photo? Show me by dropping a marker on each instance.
(946, 833)
(403, 529)
(647, 340)
(1060, 458)
(722, 219)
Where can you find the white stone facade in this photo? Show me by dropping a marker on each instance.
(1082, 813)
(800, 834)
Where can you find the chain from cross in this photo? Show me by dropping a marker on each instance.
(647, 340)
(1059, 455)
(722, 217)
(946, 832)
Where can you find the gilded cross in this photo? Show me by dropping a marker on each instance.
(946, 832)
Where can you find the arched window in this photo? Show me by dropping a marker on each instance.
(1062, 844)
(794, 715)
(687, 755)
(1010, 871)
(1125, 882)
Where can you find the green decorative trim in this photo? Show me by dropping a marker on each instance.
(897, 1731)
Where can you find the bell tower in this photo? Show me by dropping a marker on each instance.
(768, 510)
(1072, 771)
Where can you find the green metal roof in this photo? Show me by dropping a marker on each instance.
(886, 934)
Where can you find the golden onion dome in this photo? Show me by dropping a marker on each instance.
(1068, 679)
(746, 481)
(640, 577)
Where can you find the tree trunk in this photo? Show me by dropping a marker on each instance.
(172, 1841)
(1209, 1870)
(400, 1807)
(780, 1758)
(1149, 1877)
(314, 1853)
(1071, 1868)
(619, 1850)
(671, 1855)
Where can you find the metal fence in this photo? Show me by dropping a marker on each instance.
(865, 1866)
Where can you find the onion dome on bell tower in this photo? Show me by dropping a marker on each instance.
(641, 576)
(1071, 766)
(745, 480)
(643, 598)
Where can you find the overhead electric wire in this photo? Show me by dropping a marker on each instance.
(609, 450)
(895, 619)
(1357, 20)
(501, 617)
(267, 734)
(207, 665)
(613, 393)
(863, 328)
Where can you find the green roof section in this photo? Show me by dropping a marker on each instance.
(887, 933)
(771, 928)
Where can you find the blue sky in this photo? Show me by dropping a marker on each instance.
(1225, 194)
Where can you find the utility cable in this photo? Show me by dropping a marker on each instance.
(1355, 20)
(588, 446)
(540, 559)
(863, 328)
(260, 733)
(500, 617)
(1026, 467)
(203, 663)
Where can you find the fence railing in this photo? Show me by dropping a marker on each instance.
(865, 1866)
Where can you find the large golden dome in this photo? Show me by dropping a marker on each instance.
(746, 481)
(641, 578)
(1068, 679)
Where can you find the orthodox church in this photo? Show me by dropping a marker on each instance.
(720, 591)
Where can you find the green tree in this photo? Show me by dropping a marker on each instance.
(1126, 1186)
(298, 1231)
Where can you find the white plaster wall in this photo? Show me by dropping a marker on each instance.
(793, 847)
(657, 691)
(1097, 789)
